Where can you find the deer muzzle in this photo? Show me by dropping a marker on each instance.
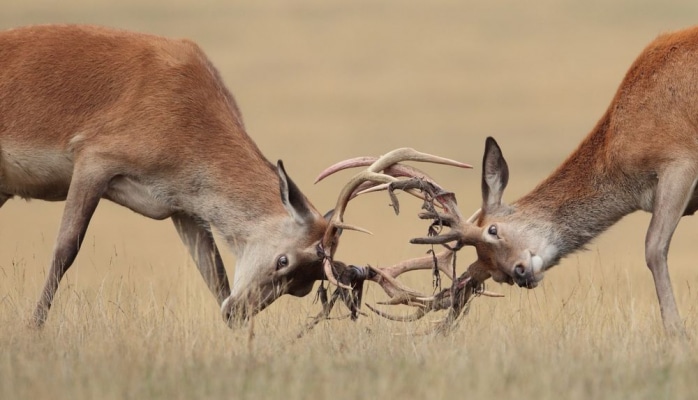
(528, 271)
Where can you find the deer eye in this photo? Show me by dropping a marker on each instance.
(492, 230)
(281, 262)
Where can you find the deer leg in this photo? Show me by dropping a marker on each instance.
(84, 194)
(196, 235)
(674, 190)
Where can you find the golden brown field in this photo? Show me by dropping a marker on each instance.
(320, 81)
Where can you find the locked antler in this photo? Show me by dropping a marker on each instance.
(461, 233)
(381, 170)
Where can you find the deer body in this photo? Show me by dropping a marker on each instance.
(641, 155)
(146, 122)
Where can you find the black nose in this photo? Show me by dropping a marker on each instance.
(520, 271)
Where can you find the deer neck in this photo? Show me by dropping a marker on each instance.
(238, 194)
(251, 218)
(583, 197)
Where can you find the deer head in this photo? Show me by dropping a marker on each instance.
(515, 246)
(280, 256)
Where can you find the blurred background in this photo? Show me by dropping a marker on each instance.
(321, 81)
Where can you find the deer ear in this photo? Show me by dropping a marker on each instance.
(495, 175)
(292, 197)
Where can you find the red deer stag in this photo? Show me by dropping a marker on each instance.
(88, 113)
(641, 155)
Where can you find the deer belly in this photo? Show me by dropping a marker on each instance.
(35, 174)
(139, 197)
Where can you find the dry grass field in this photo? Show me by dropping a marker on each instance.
(320, 81)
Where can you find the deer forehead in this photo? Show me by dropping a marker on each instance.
(283, 234)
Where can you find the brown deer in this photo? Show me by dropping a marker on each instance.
(144, 121)
(641, 155)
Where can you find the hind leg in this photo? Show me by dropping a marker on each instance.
(86, 189)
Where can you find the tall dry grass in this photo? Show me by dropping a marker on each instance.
(116, 339)
(321, 81)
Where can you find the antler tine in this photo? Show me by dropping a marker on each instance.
(474, 217)
(409, 154)
(454, 299)
(343, 199)
(399, 293)
(345, 164)
(407, 171)
(464, 233)
(443, 263)
(394, 289)
(417, 315)
(393, 157)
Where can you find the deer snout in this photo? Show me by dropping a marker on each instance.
(235, 313)
(528, 271)
(239, 307)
